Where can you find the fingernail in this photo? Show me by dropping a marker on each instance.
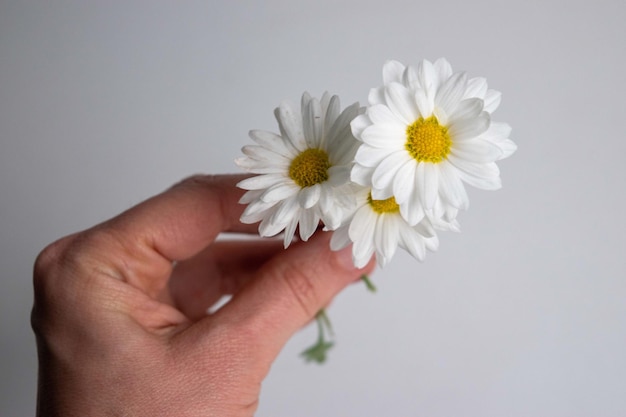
(344, 258)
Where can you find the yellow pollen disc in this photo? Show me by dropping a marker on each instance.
(427, 140)
(383, 206)
(309, 168)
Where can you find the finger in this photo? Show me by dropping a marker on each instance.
(174, 225)
(186, 218)
(289, 290)
(221, 269)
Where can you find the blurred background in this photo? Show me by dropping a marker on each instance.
(103, 104)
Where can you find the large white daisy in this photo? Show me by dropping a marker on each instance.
(378, 228)
(303, 171)
(425, 132)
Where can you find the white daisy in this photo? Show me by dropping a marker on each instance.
(426, 131)
(303, 171)
(378, 228)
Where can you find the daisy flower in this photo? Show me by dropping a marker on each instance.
(378, 228)
(303, 171)
(425, 133)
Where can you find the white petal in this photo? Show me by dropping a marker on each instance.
(267, 228)
(451, 92)
(412, 242)
(332, 219)
(420, 173)
(387, 169)
(490, 183)
(465, 129)
(385, 136)
(364, 219)
(382, 193)
(477, 150)
(428, 77)
(326, 199)
(279, 191)
(290, 124)
(272, 142)
(497, 130)
(476, 87)
(404, 181)
(340, 239)
(480, 170)
(290, 230)
(256, 211)
(507, 146)
(332, 112)
(431, 184)
(410, 78)
(359, 124)
(412, 210)
(468, 109)
(336, 131)
(339, 175)
(260, 153)
(425, 228)
(364, 259)
(392, 72)
(257, 167)
(304, 101)
(285, 211)
(386, 235)
(424, 104)
(260, 181)
(376, 96)
(380, 114)
(361, 175)
(362, 234)
(250, 196)
(309, 221)
(432, 244)
(401, 102)
(443, 69)
(483, 176)
(451, 188)
(341, 129)
(498, 134)
(369, 156)
(492, 100)
(309, 196)
(312, 124)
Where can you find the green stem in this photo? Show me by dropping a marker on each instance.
(368, 283)
(317, 353)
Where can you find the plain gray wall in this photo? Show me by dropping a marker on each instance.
(103, 104)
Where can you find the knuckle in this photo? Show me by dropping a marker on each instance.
(44, 271)
(60, 273)
(49, 257)
(197, 180)
(301, 284)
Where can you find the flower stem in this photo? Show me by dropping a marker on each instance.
(317, 353)
(370, 286)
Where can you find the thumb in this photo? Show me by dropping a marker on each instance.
(287, 293)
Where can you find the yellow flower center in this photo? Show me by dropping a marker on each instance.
(427, 140)
(309, 168)
(383, 206)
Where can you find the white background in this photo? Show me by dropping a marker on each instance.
(103, 104)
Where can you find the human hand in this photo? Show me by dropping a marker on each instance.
(120, 309)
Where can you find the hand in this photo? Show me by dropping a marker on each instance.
(120, 309)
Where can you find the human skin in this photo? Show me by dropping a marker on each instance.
(120, 309)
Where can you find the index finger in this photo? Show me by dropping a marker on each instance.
(185, 219)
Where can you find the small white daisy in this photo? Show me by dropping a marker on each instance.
(378, 228)
(426, 131)
(303, 171)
